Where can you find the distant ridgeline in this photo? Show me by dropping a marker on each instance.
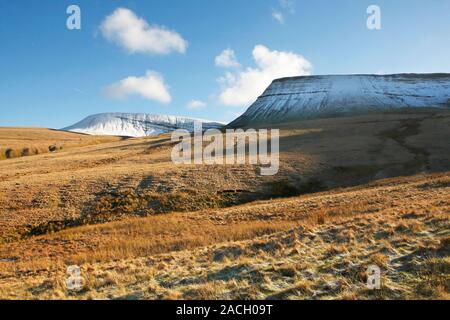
(136, 124)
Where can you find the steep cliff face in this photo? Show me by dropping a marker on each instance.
(136, 124)
(322, 96)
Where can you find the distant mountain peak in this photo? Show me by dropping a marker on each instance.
(136, 124)
(306, 97)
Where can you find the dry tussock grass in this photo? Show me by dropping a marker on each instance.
(99, 179)
(21, 142)
(236, 253)
(142, 228)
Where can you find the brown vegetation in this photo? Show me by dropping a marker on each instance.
(141, 227)
(23, 142)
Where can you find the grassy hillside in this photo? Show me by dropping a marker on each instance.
(309, 247)
(19, 142)
(136, 177)
(373, 187)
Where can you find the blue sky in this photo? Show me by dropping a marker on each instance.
(52, 77)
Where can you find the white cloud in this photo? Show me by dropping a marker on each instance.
(227, 59)
(277, 15)
(151, 87)
(241, 88)
(126, 29)
(196, 105)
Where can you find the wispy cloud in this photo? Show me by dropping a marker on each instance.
(136, 35)
(277, 15)
(77, 90)
(242, 87)
(196, 105)
(227, 59)
(285, 7)
(288, 5)
(151, 87)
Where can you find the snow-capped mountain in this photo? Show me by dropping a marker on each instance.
(321, 96)
(136, 124)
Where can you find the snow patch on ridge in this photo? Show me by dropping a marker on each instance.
(136, 124)
(319, 96)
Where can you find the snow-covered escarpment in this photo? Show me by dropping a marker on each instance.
(321, 96)
(136, 124)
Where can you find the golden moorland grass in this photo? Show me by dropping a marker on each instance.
(308, 247)
(141, 227)
(20, 142)
(115, 180)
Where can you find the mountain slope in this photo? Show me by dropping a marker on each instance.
(136, 124)
(321, 96)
